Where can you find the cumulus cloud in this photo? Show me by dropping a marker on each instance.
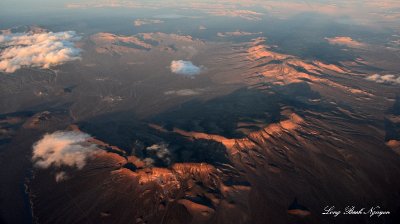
(244, 14)
(345, 41)
(148, 162)
(185, 68)
(388, 79)
(141, 22)
(41, 50)
(63, 148)
(160, 151)
(61, 176)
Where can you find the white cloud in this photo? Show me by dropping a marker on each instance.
(244, 14)
(185, 68)
(41, 50)
(345, 41)
(388, 79)
(161, 151)
(184, 92)
(63, 148)
(61, 176)
(148, 162)
(141, 22)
